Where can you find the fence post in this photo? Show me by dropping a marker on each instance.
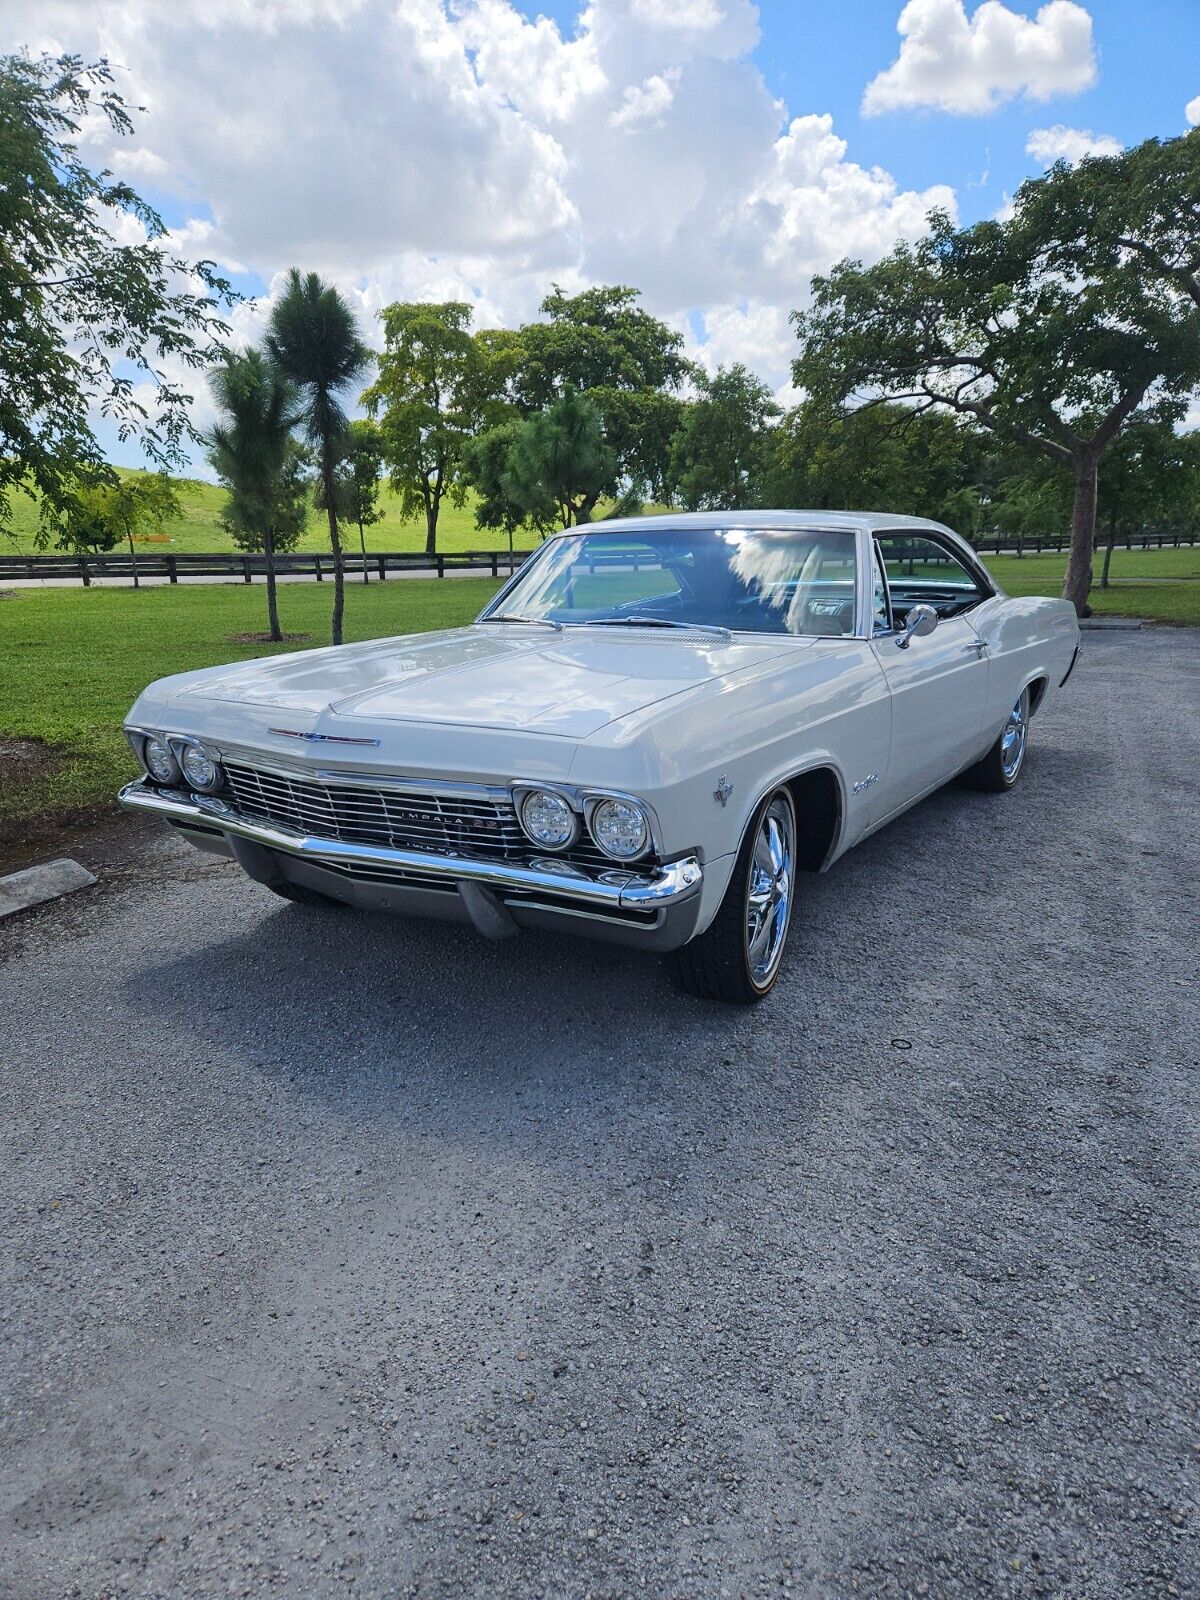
(441, 566)
(382, 569)
(317, 567)
(172, 573)
(245, 569)
(84, 573)
(1020, 545)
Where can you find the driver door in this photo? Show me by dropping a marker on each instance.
(938, 685)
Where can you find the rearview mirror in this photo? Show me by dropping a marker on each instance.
(919, 623)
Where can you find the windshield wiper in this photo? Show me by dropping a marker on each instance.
(514, 616)
(656, 622)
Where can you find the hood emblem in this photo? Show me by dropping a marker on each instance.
(320, 738)
(723, 790)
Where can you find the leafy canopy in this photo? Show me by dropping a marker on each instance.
(427, 396)
(97, 514)
(558, 464)
(313, 339)
(254, 454)
(87, 324)
(717, 454)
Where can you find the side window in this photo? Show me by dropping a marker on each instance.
(922, 570)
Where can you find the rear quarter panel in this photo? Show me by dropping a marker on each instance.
(1030, 639)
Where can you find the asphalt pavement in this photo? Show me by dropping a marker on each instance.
(345, 1256)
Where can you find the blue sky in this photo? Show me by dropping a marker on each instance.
(713, 153)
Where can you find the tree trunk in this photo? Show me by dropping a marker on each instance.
(339, 566)
(1078, 580)
(1112, 539)
(133, 558)
(362, 545)
(272, 605)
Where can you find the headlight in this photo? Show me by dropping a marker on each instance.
(200, 770)
(159, 761)
(620, 828)
(548, 819)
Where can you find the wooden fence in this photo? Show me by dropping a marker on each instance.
(494, 563)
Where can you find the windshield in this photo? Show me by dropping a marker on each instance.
(797, 581)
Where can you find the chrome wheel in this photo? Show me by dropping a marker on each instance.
(1012, 740)
(769, 890)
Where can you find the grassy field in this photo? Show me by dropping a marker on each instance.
(75, 659)
(200, 530)
(1159, 585)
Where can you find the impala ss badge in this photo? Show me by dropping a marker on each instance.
(723, 790)
(321, 738)
(864, 783)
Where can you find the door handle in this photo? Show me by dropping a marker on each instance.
(978, 645)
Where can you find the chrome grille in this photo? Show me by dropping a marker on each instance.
(398, 819)
(393, 818)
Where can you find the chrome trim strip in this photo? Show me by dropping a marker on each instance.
(664, 886)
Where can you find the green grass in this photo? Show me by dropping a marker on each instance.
(1158, 585)
(75, 660)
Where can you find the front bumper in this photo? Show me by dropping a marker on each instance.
(655, 908)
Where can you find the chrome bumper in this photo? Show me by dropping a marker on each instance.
(616, 889)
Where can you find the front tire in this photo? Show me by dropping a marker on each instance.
(738, 956)
(1005, 761)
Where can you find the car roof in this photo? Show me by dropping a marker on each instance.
(873, 521)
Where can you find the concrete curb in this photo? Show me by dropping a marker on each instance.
(47, 881)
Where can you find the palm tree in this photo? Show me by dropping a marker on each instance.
(313, 338)
(260, 407)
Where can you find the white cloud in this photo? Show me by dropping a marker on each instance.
(646, 102)
(971, 65)
(1192, 111)
(457, 149)
(1058, 143)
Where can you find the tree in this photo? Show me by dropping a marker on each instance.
(88, 323)
(98, 513)
(602, 345)
(718, 452)
(427, 381)
(253, 453)
(485, 466)
(559, 464)
(1053, 352)
(361, 467)
(1151, 479)
(313, 339)
(892, 458)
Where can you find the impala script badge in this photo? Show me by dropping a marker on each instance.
(864, 783)
(723, 790)
(320, 738)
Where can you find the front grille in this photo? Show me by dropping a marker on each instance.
(482, 828)
(392, 818)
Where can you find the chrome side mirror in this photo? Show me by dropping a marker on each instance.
(919, 624)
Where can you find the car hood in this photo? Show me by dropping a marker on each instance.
(569, 684)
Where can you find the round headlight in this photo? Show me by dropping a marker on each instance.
(200, 770)
(548, 819)
(159, 761)
(620, 829)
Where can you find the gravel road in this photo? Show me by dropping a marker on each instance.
(342, 1256)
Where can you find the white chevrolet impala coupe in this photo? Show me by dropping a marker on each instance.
(654, 727)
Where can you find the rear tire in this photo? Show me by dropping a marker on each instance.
(1005, 761)
(738, 956)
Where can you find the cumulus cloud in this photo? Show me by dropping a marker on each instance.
(970, 65)
(1058, 143)
(1192, 111)
(459, 149)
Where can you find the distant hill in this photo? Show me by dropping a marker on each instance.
(201, 528)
